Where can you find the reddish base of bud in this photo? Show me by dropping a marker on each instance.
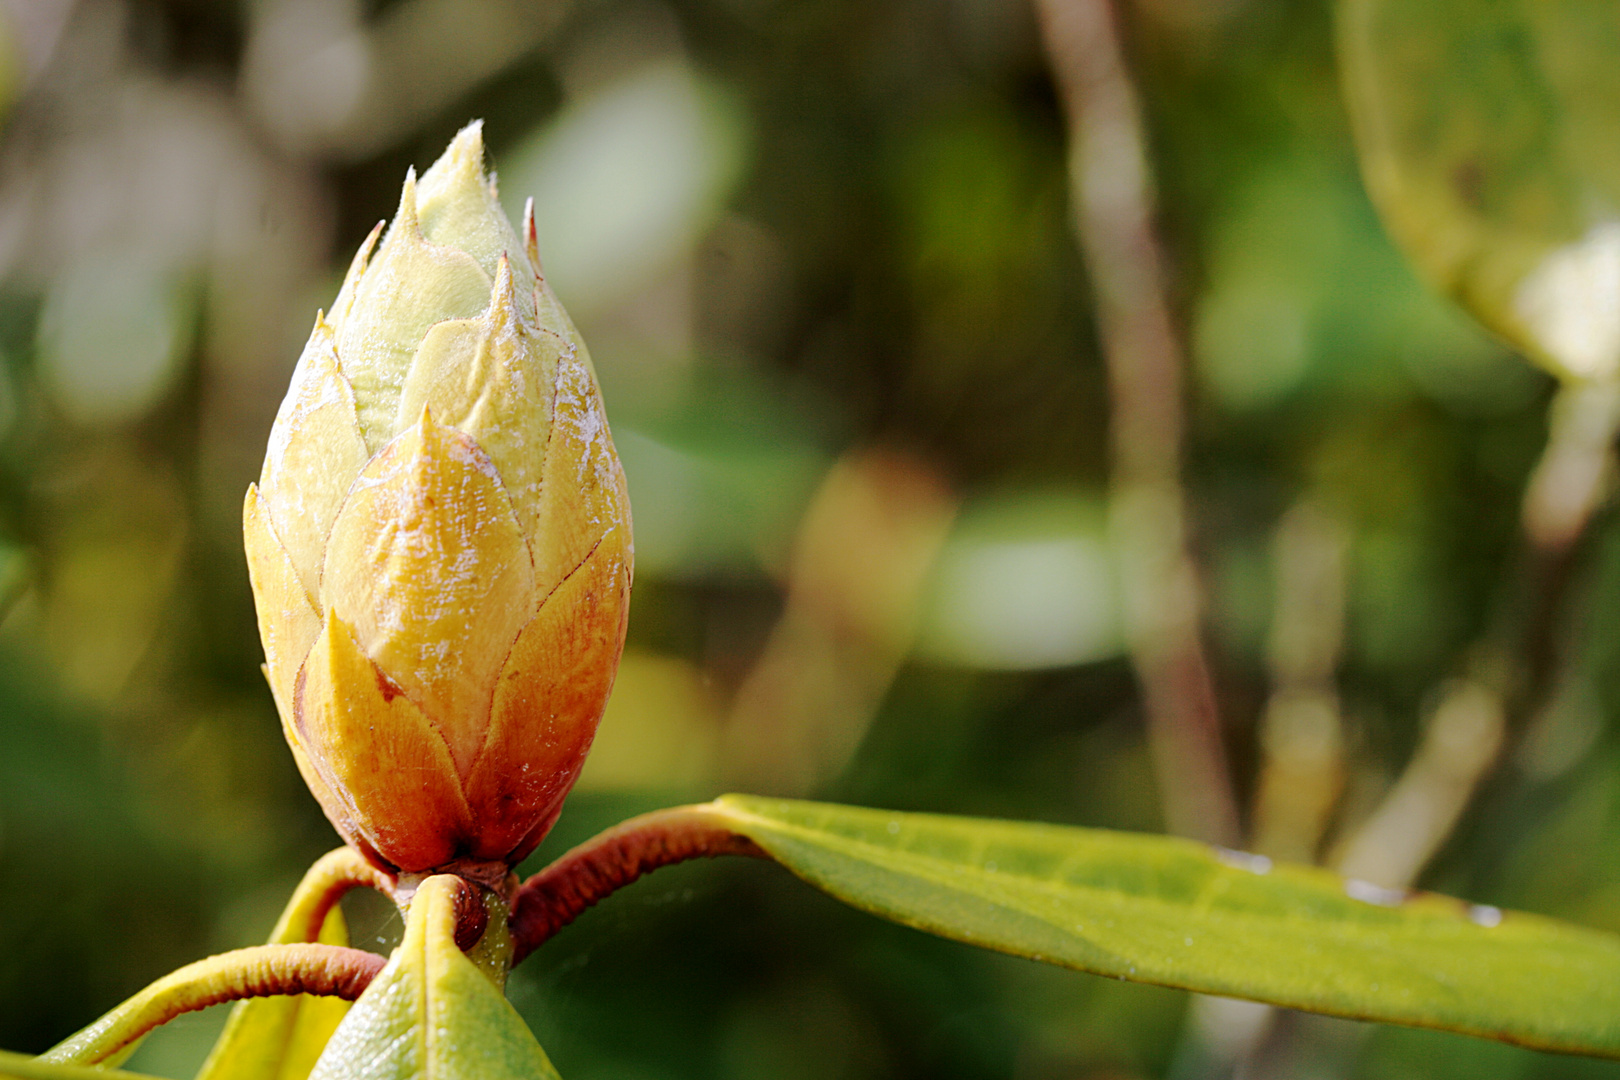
(494, 875)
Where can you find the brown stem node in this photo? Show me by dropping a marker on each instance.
(472, 915)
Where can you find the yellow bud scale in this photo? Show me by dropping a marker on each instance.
(439, 542)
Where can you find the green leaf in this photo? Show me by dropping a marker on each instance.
(22, 1067)
(434, 1013)
(1157, 909)
(1489, 136)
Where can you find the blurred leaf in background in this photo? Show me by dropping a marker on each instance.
(1486, 130)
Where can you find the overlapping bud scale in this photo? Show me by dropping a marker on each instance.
(439, 542)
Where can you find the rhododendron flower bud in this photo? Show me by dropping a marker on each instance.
(439, 542)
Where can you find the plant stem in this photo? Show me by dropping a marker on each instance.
(260, 971)
(1301, 731)
(1514, 667)
(1111, 188)
(554, 897)
(323, 885)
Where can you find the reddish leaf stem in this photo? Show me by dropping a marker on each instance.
(260, 971)
(554, 897)
(324, 884)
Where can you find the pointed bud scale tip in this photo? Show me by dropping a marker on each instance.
(530, 240)
(357, 267)
(440, 539)
(463, 157)
(405, 216)
(503, 309)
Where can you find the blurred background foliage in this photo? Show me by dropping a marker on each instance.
(822, 252)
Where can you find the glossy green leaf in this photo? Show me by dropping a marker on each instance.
(434, 1013)
(1489, 136)
(1162, 910)
(22, 1067)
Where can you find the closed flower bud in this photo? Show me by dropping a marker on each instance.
(439, 542)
